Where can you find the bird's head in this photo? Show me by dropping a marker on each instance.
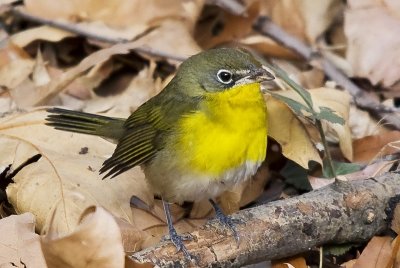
(218, 70)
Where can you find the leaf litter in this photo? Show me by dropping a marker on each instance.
(60, 185)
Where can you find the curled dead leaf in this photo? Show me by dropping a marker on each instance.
(20, 245)
(96, 242)
(373, 47)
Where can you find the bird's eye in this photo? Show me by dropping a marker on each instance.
(224, 76)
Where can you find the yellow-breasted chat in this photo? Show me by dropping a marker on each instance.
(203, 133)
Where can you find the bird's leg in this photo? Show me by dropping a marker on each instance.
(226, 220)
(176, 239)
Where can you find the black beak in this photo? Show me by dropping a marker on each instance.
(262, 74)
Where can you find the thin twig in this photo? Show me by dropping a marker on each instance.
(266, 27)
(73, 28)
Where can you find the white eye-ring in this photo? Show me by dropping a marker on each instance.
(225, 76)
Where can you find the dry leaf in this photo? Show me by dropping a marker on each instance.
(96, 242)
(20, 245)
(267, 46)
(308, 18)
(244, 193)
(172, 37)
(349, 264)
(290, 133)
(121, 18)
(372, 48)
(14, 73)
(231, 27)
(139, 90)
(369, 171)
(65, 180)
(10, 52)
(338, 101)
(117, 13)
(396, 252)
(44, 32)
(395, 225)
(362, 124)
(132, 236)
(26, 97)
(82, 87)
(372, 147)
(294, 262)
(377, 253)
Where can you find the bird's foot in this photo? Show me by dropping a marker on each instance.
(227, 221)
(177, 240)
(184, 237)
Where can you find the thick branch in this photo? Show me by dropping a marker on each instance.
(332, 214)
(266, 27)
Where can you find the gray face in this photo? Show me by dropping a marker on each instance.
(220, 69)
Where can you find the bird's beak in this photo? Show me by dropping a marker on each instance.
(256, 75)
(262, 74)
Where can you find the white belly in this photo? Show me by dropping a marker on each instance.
(175, 185)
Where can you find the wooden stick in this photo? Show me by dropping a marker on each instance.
(284, 228)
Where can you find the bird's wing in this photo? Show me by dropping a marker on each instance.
(146, 132)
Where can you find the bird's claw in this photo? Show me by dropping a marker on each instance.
(230, 223)
(184, 237)
(177, 240)
(227, 221)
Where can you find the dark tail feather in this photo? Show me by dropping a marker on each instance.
(86, 123)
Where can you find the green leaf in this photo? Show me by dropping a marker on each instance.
(341, 168)
(297, 107)
(328, 114)
(296, 87)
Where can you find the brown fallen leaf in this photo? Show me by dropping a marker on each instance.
(232, 27)
(96, 242)
(372, 147)
(377, 254)
(122, 19)
(242, 194)
(44, 32)
(65, 180)
(293, 262)
(290, 133)
(308, 19)
(20, 245)
(15, 72)
(348, 264)
(140, 89)
(266, 46)
(362, 124)
(396, 252)
(369, 171)
(26, 97)
(173, 37)
(372, 48)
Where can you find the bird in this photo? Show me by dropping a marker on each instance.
(205, 132)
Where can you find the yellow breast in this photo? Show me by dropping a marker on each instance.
(229, 130)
